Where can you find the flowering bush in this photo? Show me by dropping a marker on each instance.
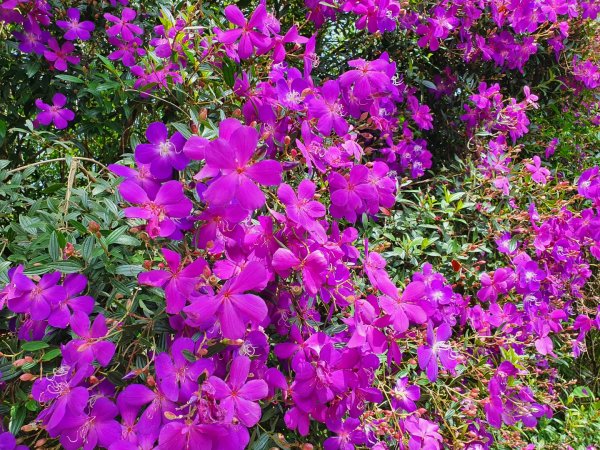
(256, 272)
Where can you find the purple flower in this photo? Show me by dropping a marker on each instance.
(134, 396)
(62, 394)
(301, 209)
(404, 309)
(530, 276)
(423, 434)
(126, 50)
(349, 193)
(75, 28)
(8, 442)
(312, 267)
(437, 348)
(588, 185)
(74, 284)
(327, 109)
(404, 396)
(348, 433)
(88, 432)
(178, 282)
(122, 26)
(163, 154)
(59, 55)
(169, 203)
(33, 39)
(246, 33)
(238, 397)
(233, 307)
(231, 154)
(56, 113)
(177, 377)
(539, 174)
(92, 345)
(492, 286)
(36, 299)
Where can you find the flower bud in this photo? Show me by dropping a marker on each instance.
(27, 377)
(93, 227)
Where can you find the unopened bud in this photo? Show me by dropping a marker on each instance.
(203, 114)
(287, 140)
(40, 442)
(27, 377)
(93, 227)
(150, 381)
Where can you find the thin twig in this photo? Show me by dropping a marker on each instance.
(70, 182)
(47, 161)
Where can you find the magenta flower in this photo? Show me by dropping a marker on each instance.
(62, 308)
(437, 348)
(279, 42)
(588, 185)
(9, 442)
(33, 298)
(368, 77)
(63, 395)
(178, 377)
(249, 32)
(349, 192)
(126, 50)
(59, 55)
(74, 28)
(312, 267)
(178, 282)
(327, 109)
(539, 174)
(134, 396)
(530, 276)
(92, 345)
(233, 307)
(122, 26)
(232, 156)
(32, 39)
(238, 397)
(88, 432)
(403, 309)
(348, 433)
(169, 203)
(492, 286)
(56, 113)
(301, 209)
(404, 395)
(423, 434)
(163, 154)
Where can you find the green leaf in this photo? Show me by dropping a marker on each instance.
(115, 234)
(54, 247)
(51, 354)
(189, 356)
(69, 78)
(69, 266)
(17, 418)
(130, 270)
(33, 346)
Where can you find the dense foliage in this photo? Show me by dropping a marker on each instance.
(346, 224)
